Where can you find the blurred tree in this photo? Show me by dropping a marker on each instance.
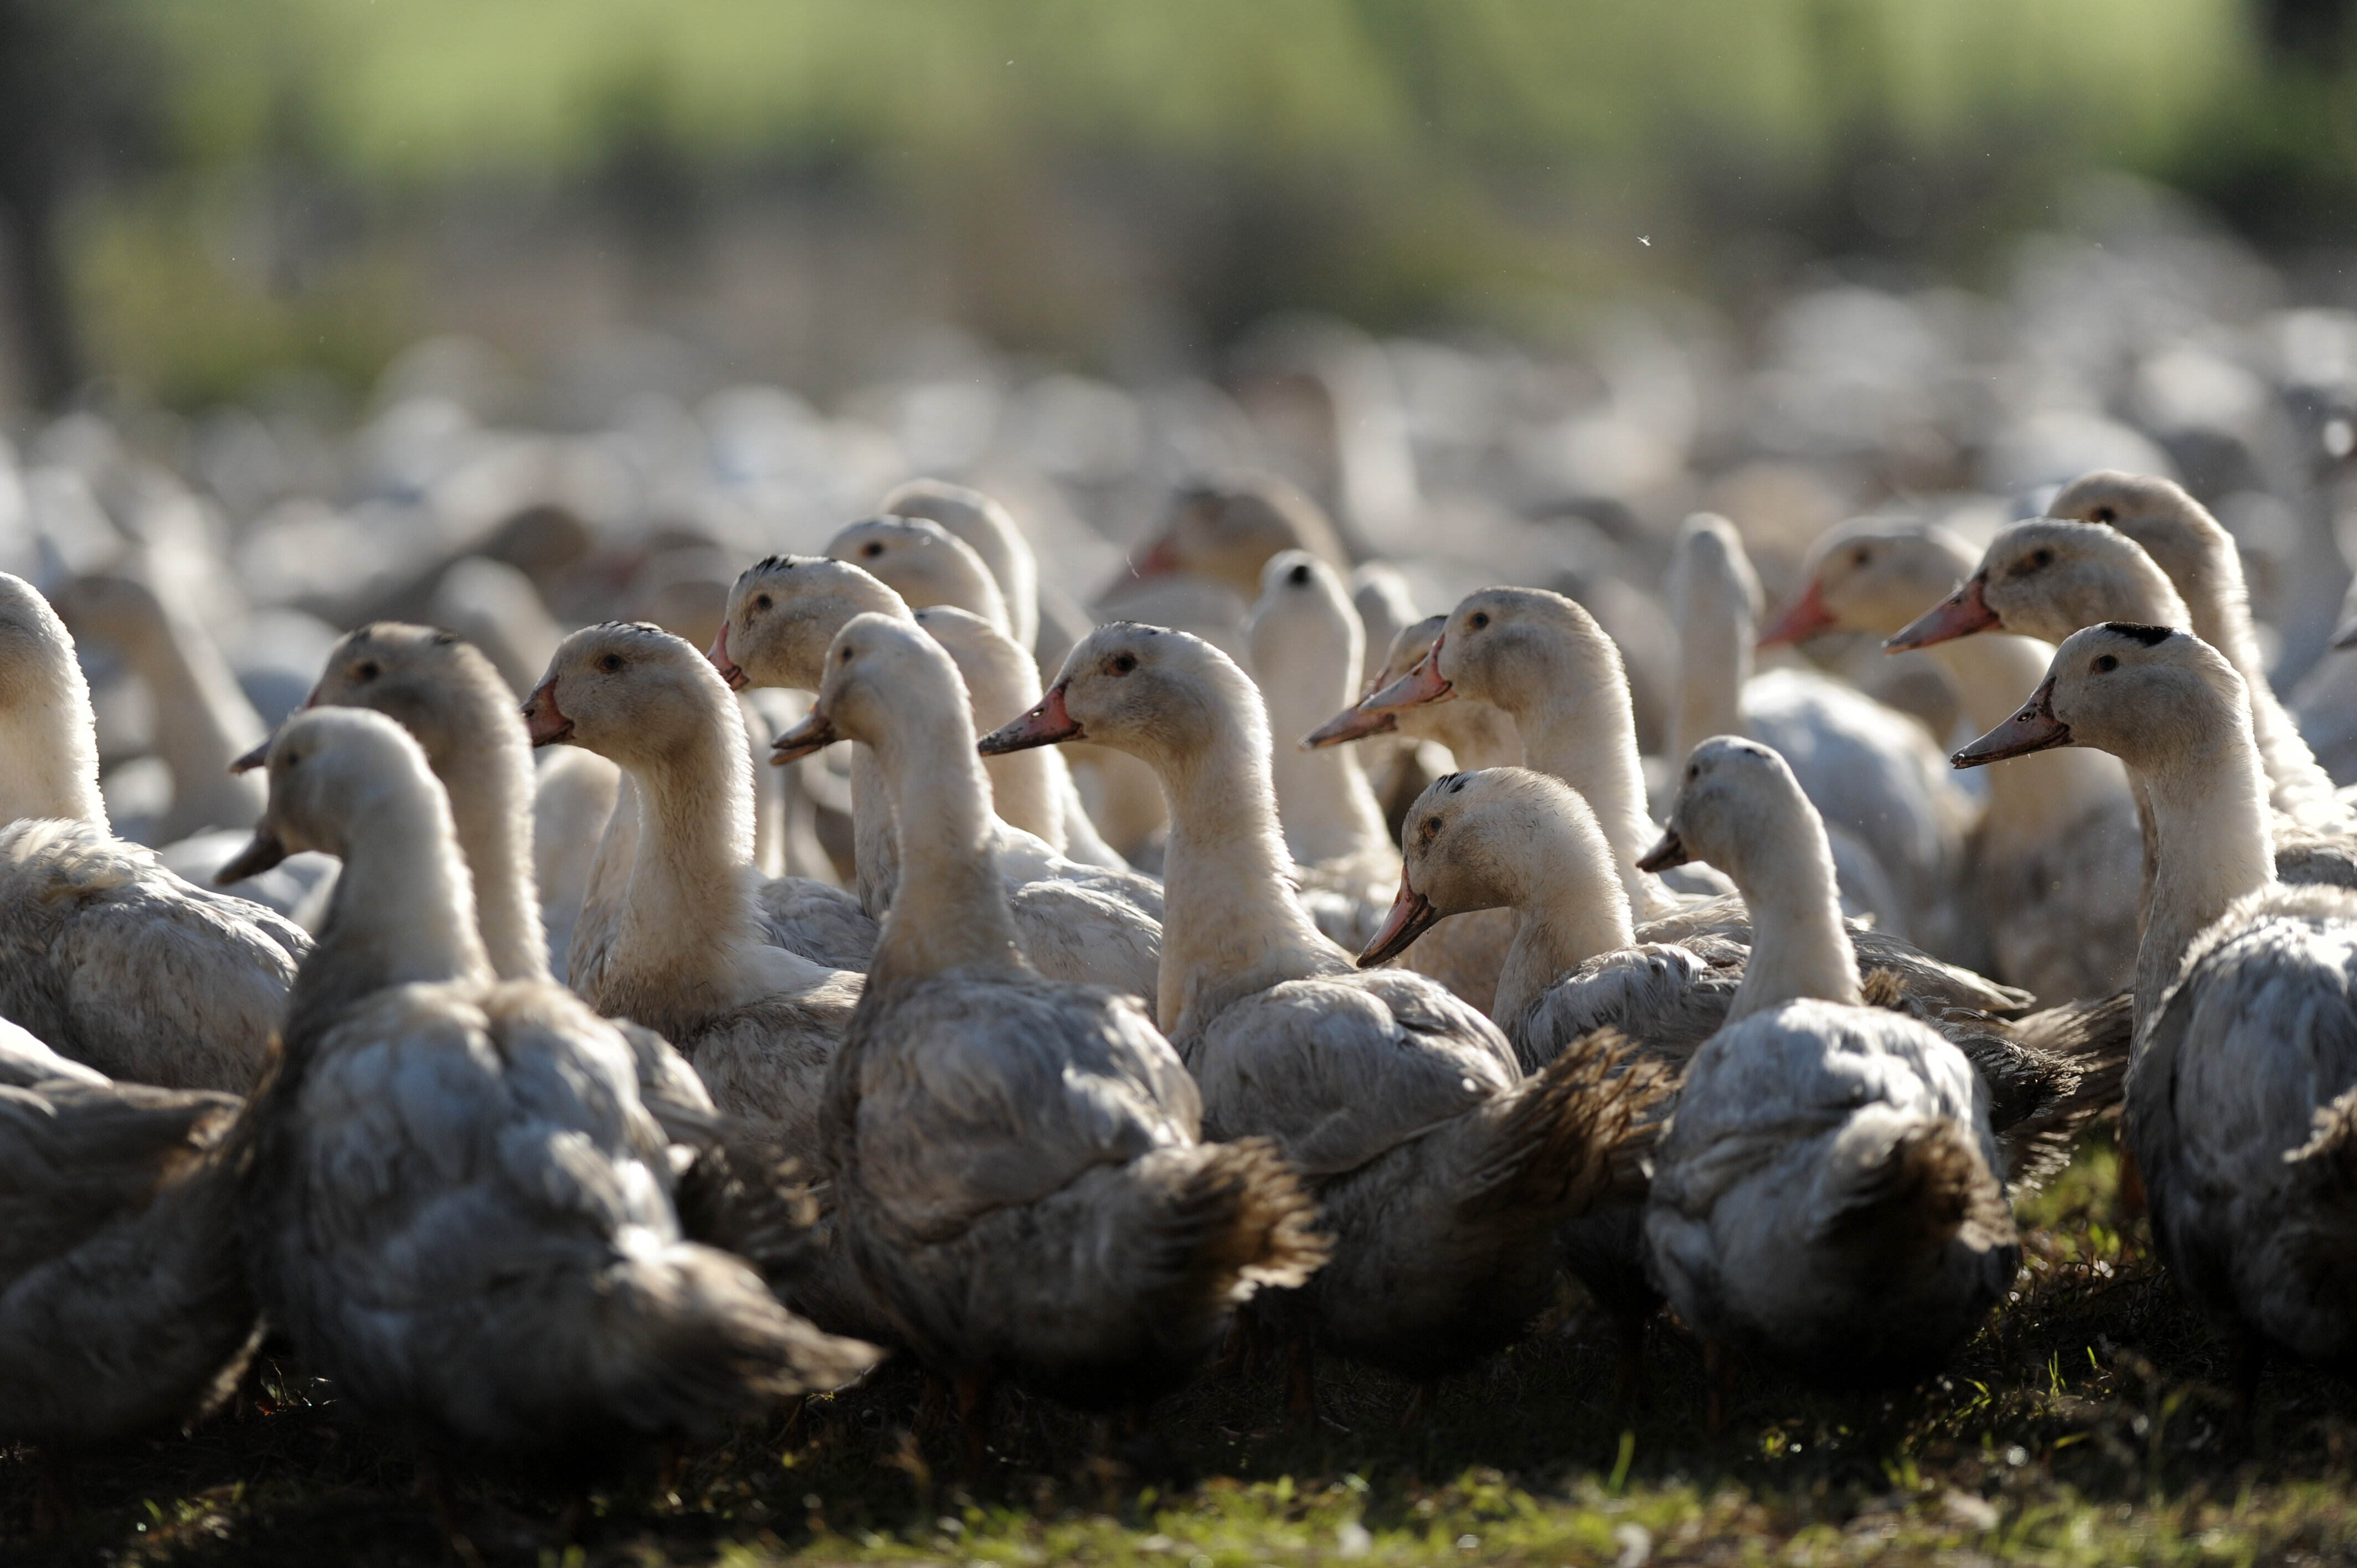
(77, 83)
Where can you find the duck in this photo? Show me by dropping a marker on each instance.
(931, 566)
(575, 795)
(1307, 647)
(2053, 870)
(459, 1207)
(1001, 682)
(1224, 528)
(1509, 837)
(983, 525)
(2241, 1113)
(124, 1304)
(106, 955)
(1465, 952)
(1827, 1199)
(203, 717)
(1541, 659)
(1019, 1169)
(687, 955)
(1093, 925)
(2048, 577)
(1440, 1167)
(1897, 823)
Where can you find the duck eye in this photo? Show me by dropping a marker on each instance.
(2107, 664)
(761, 601)
(2104, 514)
(846, 656)
(2039, 558)
(610, 663)
(1478, 619)
(1122, 663)
(1861, 557)
(1693, 771)
(1431, 829)
(1299, 576)
(367, 671)
(872, 548)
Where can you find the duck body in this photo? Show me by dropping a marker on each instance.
(116, 962)
(1787, 1212)
(1018, 1166)
(122, 1297)
(2241, 1113)
(460, 1207)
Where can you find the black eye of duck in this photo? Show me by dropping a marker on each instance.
(2107, 664)
(1299, 576)
(761, 601)
(1862, 556)
(1478, 619)
(610, 663)
(1122, 663)
(846, 656)
(2041, 558)
(1431, 827)
(368, 671)
(872, 548)
(2104, 514)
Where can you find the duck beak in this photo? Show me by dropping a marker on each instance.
(1351, 724)
(813, 734)
(1045, 724)
(718, 653)
(542, 720)
(257, 756)
(1420, 685)
(1803, 619)
(2346, 636)
(266, 850)
(1161, 560)
(1961, 614)
(2035, 729)
(1671, 852)
(1411, 915)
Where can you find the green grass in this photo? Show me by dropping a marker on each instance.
(2089, 1424)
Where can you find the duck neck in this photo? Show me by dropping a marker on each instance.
(203, 722)
(690, 908)
(950, 911)
(1714, 663)
(2213, 845)
(1477, 734)
(1583, 731)
(1023, 793)
(875, 847)
(1800, 946)
(402, 911)
(1324, 802)
(48, 753)
(1231, 923)
(491, 782)
(2034, 798)
(1568, 893)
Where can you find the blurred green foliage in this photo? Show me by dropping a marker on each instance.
(1382, 158)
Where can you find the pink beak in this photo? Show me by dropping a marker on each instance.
(718, 653)
(1420, 685)
(2034, 728)
(814, 734)
(1046, 723)
(1803, 619)
(1410, 915)
(1961, 614)
(1161, 559)
(543, 721)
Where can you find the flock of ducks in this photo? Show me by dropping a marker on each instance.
(1071, 1001)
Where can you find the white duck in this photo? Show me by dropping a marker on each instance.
(1439, 1166)
(1544, 660)
(459, 1208)
(1511, 838)
(2047, 577)
(1464, 951)
(1827, 1197)
(1873, 774)
(2053, 870)
(122, 1297)
(987, 529)
(2241, 1100)
(104, 955)
(1307, 648)
(929, 566)
(1018, 1163)
(1091, 925)
(688, 956)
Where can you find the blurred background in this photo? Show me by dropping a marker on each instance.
(328, 295)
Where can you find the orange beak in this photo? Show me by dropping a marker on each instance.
(543, 721)
(1961, 614)
(2034, 728)
(718, 653)
(1410, 915)
(1803, 619)
(1046, 723)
